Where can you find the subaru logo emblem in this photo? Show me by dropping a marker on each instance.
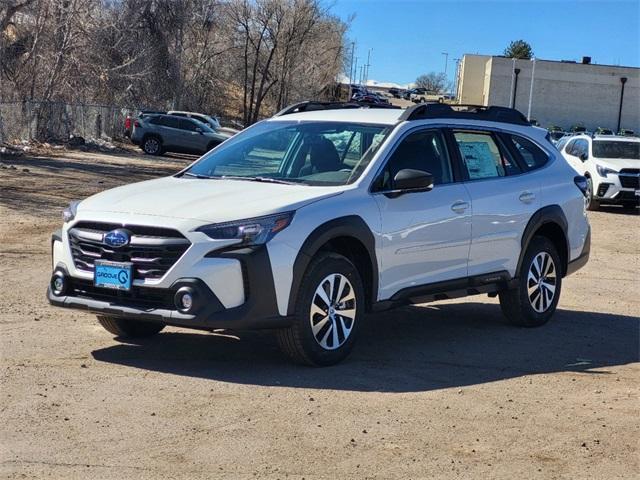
(117, 238)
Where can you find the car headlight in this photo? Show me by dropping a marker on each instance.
(604, 171)
(69, 213)
(252, 231)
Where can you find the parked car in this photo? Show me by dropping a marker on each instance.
(157, 134)
(395, 92)
(422, 95)
(603, 131)
(129, 119)
(625, 132)
(305, 221)
(556, 133)
(611, 165)
(212, 122)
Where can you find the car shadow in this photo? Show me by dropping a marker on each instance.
(619, 210)
(407, 350)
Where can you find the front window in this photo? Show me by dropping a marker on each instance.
(617, 149)
(312, 153)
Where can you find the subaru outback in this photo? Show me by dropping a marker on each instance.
(306, 221)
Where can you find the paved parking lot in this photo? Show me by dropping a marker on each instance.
(444, 390)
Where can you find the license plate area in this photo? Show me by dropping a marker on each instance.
(113, 275)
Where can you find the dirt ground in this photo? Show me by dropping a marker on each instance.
(444, 390)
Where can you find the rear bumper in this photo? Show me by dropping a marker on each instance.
(259, 311)
(576, 264)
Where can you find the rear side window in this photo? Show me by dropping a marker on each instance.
(186, 124)
(481, 156)
(168, 122)
(529, 152)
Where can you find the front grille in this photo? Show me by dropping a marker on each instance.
(152, 250)
(140, 297)
(630, 178)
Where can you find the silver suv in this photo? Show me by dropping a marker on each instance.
(157, 134)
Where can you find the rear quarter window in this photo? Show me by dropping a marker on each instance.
(530, 154)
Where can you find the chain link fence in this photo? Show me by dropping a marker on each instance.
(58, 121)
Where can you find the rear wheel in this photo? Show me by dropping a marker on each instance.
(124, 327)
(328, 312)
(536, 297)
(152, 145)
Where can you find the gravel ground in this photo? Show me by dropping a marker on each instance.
(444, 390)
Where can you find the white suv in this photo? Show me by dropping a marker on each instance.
(307, 220)
(611, 165)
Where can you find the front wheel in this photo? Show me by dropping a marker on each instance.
(536, 297)
(152, 146)
(592, 203)
(127, 328)
(328, 312)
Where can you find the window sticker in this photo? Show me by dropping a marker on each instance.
(479, 159)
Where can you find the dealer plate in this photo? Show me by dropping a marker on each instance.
(116, 275)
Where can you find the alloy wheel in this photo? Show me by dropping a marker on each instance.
(541, 282)
(151, 146)
(333, 311)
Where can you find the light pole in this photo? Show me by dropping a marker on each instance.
(533, 75)
(516, 71)
(366, 70)
(446, 61)
(623, 80)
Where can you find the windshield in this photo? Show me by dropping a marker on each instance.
(313, 153)
(618, 149)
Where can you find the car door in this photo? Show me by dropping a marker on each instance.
(425, 235)
(503, 196)
(193, 138)
(169, 131)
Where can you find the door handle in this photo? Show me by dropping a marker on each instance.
(527, 197)
(460, 206)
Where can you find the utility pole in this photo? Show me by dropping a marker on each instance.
(355, 71)
(353, 51)
(446, 61)
(366, 71)
(623, 80)
(457, 76)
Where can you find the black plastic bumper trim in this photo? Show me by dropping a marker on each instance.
(581, 261)
(259, 311)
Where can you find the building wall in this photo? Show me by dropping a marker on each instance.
(471, 81)
(564, 94)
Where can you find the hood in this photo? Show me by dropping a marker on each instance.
(205, 199)
(618, 163)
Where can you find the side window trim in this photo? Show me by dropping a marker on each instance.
(374, 188)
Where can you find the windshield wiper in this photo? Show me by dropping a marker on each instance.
(196, 175)
(259, 179)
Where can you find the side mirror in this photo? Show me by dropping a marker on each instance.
(409, 180)
(584, 157)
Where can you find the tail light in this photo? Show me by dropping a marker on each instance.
(136, 123)
(582, 183)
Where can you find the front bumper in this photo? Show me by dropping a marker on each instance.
(612, 190)
(259, 310)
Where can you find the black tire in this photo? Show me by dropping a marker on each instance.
(151, 145)
(124, 327)
(517, 304)
(592, 204)
(299, 341)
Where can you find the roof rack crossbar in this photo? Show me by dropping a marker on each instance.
(311, 106)
(471, 112)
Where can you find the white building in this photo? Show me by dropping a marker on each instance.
(563, 93)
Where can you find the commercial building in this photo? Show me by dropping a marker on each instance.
(554, 92)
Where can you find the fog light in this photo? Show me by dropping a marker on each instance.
(58, 283)
(185, 299)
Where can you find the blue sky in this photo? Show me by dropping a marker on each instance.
(408, 37)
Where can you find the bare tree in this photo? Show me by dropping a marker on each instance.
(432, 82)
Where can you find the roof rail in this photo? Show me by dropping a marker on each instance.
(311, 106)
(471, 112)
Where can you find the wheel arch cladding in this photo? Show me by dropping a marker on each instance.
(348, 236)
(550, 222)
